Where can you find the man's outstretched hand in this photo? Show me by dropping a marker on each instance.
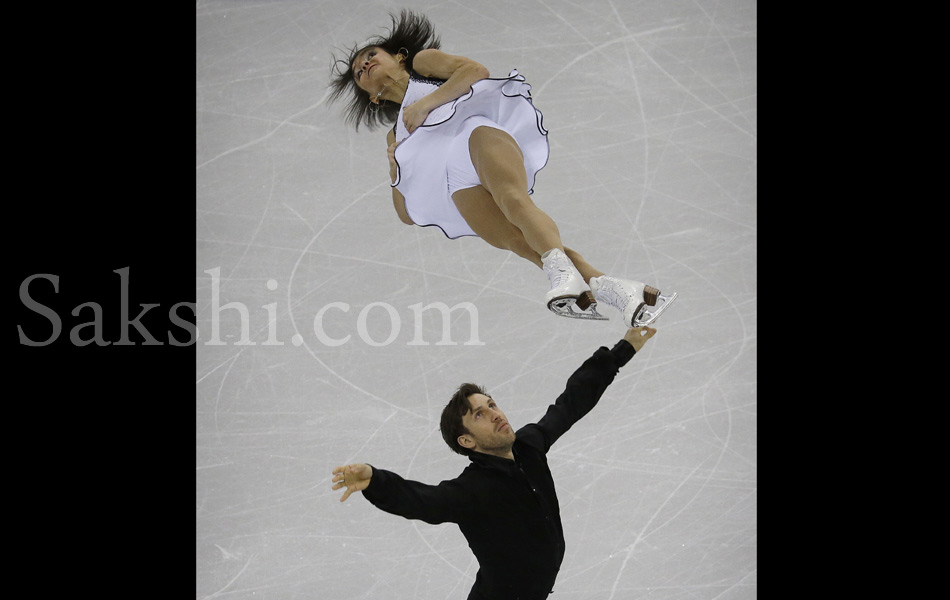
(355, 478)
(638, 336)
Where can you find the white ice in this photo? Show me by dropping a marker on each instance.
(651, 108)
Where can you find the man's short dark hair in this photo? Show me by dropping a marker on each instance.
(451, 423)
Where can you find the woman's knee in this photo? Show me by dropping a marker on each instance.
(487, 219)
(516, 204)
(512, 239)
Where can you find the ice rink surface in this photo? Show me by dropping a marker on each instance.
(315, 349)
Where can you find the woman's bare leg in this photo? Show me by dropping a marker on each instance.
(482, 214)
(585, 268)
(502, 213)
(500, 166)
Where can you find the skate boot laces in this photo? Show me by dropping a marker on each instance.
(568, 288)
(559, 274)
(632, 298)
(560, 270)
(612, 291)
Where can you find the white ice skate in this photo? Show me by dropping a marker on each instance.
(632, 298)
(569, 296)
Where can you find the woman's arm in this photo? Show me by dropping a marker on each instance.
(459, 74)
(399, 202)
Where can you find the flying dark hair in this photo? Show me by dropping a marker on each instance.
(410, 33)
(451, 423)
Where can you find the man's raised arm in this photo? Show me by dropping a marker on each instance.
(585, 387)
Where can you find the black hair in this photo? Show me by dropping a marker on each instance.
(410, 34)
(451, 422)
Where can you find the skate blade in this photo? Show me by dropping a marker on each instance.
(646, 317)
(571, 307)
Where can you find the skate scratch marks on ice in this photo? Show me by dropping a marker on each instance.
(297, 214)
(640, 534)
(266, 135)
(228, 584)
(584, 55)
(291, 305)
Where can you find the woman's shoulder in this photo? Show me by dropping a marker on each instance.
(419, 78)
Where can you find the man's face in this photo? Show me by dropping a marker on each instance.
(488, 427)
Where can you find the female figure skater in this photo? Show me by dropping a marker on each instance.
(464, 150)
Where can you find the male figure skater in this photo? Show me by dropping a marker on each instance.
(504, 502)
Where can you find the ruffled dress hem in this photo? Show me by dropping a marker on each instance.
(422, 157)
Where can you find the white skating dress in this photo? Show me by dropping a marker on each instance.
(433, 162)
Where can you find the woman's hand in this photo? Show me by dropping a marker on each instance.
(458, 74)
(414, 115)
(392, 160)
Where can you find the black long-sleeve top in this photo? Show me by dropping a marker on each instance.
(508, 510)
